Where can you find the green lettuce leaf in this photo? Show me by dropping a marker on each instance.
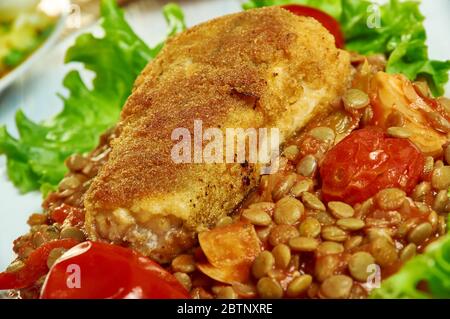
(400, 34)
(35, 160)
(431, 270)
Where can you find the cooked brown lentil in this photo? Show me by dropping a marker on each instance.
(358, 265)
(282, 256)
(288, 211)
(390, 198)
(307, 166)
(420, 233)
(333, 233)
(441, 178)
(298, 285)
(340, 210)
(310, 227)
(184, 263)
(262, 264)
(303, 243)
(269, 288)
(408, 252)
(400, 132)
(305, 185)
(350, 223)
(257, 217)
(281, 234)
(336, 287)
(329, 248)
(73, 232)
(355, 99)
(312, 202)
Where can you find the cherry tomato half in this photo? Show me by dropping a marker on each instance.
(367, 161)
(93, 270)
(325, 19)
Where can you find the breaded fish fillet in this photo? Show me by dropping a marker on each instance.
(260, 68)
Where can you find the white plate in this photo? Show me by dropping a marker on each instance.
(35, 92)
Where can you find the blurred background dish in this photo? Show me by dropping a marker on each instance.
(28, 29)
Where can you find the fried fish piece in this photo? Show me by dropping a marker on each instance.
(259, 68)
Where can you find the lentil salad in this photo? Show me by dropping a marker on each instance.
(316, 242)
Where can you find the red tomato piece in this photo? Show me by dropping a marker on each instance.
(367, 161)
(60, 213)
(109, 271)
(325, 19)
(35, 266)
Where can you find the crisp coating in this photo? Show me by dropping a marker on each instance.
(259, 68)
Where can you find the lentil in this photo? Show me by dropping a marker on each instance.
(355, 99)
(298, 285)
(224, 221)
(312, 202)
(69, 182)
(333, 233)
(390, 198)
(336, 287)
(441, 178)
(429, 165)
(358, 265)
(310, 227)
(288, 211)
(307, 166)
(76, 162)
(420, 191)
(303, 244)
(282, 255)
(440, 202)
(350, 223)
(305, 185)
(341, 210)
(383, 251)
(329, 248)
(323, 133)
(283, 186)
(408, 252)
(326, 266)
(291, 152)
(420, 233)
(281, 234)
(184, 263)
(268, 288)
(257, 217)
(353, 242)
(400, 132)
(262, 264)
(184, 280)
(226, 293)
(73, 232)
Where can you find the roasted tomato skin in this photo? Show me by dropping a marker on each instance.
(108, 271)
(367, 161)
(325, 19)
